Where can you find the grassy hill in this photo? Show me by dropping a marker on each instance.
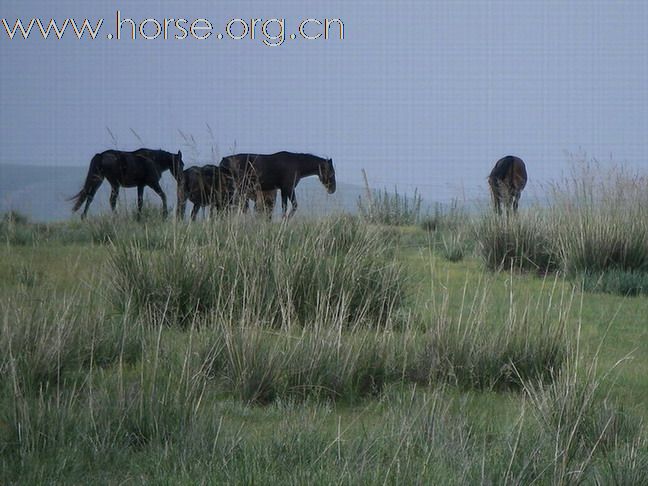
(329, 350)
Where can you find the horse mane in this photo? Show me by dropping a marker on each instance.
(301, 155)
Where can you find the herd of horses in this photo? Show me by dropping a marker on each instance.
(237, 180)
(242, 178)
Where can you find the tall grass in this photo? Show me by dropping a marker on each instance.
(483, 347)
(597, 224)
(277, 273)
(17, 230)
(321, 362)
(389, 208)
(522, 242)
(453, 246)
(445, 218)
(592, 437)
(601, 220)
(44, 337)
(297, 354)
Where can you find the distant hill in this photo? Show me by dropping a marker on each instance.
(40, 192)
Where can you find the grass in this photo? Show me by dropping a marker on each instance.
(595, 231)
(237, 351)
(389, 208)
(481, 349)
(272, 273)
(626, 283)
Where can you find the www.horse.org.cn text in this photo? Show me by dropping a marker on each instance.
(270, 32)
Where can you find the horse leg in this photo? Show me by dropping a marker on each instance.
(284, 204)
(214, 210)
(510, 200)
(182, 201)
(180, 210)
(516, 201)
(156, 187)
(90, 196)
(114, 193)
(497, 198)
(269, 202)
(194, 211)
(140, 200)
(293, 202)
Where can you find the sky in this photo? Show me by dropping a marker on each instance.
(420, 94)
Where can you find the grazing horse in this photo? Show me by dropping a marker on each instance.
(143, 167)
(207, 185)
(506, 180)
(253, 173)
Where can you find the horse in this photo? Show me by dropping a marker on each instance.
(253, 173)
(143, 167)
(506, 180)
(207, 185)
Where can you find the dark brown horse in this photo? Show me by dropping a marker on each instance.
(254, 173)
(143, 167)
(209, 185)
(506, 180)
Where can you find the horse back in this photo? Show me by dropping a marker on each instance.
(203, 184)
(129, 169)
(511, 171)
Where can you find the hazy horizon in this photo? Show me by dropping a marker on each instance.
(423, 95)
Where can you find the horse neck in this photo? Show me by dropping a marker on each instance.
(310, 165)
(166, 163)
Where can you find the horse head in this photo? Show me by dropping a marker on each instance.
(327, 175)
(177, 166)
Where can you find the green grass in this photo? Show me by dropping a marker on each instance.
(390, 208)
(257, 271)
(174, 353)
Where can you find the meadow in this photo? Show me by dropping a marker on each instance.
(395, 346)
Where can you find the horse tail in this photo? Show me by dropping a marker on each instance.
(94, 176)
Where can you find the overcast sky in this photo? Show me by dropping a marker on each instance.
(420, 94)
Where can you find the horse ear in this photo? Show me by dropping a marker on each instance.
(179, 154)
